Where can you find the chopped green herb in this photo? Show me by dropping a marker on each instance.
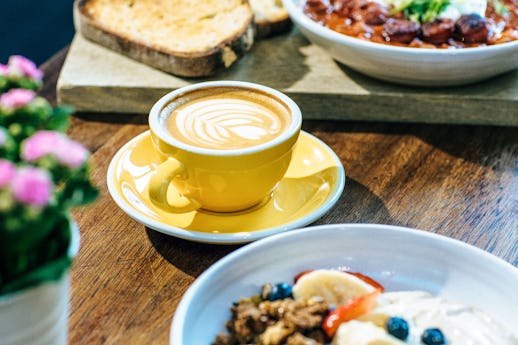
(421, 11)
(500, 7)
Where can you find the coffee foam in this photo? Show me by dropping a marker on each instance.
(227, 118)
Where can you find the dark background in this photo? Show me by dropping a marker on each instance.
(35, 29)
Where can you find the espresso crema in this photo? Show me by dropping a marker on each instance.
(228, 119)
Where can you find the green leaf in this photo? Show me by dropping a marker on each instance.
(3, 84)
(79, 192)
(421, 11)
(13, 82)
(28, 83)
(60, 119)
(500, 7)
(21, 256)
(51, 271)
(22, 234)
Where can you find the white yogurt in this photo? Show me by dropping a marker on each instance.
(457, 8)
(461, 324)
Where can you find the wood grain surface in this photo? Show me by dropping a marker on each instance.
(95, 78)
(458, 181)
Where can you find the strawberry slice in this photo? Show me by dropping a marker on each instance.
(349, 311)
(367, 279)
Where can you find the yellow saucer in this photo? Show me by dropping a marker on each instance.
(312, 185)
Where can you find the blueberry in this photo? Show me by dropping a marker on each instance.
(280, 291)
(433, 336)
(285, 290)
(397, 327)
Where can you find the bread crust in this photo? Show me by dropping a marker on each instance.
(264, 29)
(270, 18)
(185, 64)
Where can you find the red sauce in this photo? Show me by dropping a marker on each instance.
(501, 29)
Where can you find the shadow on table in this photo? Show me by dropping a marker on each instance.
(180, 253)
(113, 118)
(472, 143)
(349, 210)
(284, 51)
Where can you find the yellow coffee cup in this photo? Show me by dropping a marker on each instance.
(224, 145)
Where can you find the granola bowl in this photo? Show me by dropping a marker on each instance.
(407, 65)
(399, 258)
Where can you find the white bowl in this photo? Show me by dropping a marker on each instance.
(405, 65)
(399, 258)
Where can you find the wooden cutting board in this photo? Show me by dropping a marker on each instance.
(95, 79)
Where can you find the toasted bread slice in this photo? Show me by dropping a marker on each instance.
(270, 18)
(186, 38)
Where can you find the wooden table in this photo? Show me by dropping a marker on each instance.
(459, 181)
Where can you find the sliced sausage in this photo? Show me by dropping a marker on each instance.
(374, 13)
(318, 6)
(344, 8)
(471, 28)
(400, 30)
(437, 31)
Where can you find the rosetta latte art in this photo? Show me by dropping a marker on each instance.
(229, 121)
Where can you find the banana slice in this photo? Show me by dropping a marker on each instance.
(363, 333)
(333, 286)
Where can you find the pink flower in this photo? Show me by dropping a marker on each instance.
(21, 66)
(72, 154)
(7, 171)
(4, 69)
(32, 186)
(16, 98)
(40, 144)
(68, 152)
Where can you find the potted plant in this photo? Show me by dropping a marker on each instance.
(43, 175)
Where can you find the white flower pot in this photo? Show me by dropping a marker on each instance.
(38, 315)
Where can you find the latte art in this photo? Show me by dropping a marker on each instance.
(229, 120)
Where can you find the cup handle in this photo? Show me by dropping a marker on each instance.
(159, 185)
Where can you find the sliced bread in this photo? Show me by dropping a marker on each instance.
(187, 38)
(270, 18)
